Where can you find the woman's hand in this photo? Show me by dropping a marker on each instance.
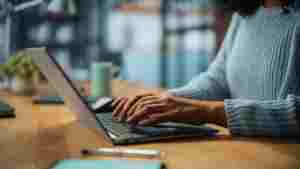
(175, 109)
(122, 105)
(152, 108)
(166, 108)
(126, 107)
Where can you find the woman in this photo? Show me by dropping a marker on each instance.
(253, 85)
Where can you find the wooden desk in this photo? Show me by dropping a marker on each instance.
(42, 134)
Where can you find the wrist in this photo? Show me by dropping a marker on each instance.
(216, 113)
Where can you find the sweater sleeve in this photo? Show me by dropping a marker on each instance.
(212, 84)
(263, 118)
(278, 117)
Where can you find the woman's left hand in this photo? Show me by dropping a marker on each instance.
(165, 108)
(152, 109)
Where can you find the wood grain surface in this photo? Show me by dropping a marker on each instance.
(40, 135)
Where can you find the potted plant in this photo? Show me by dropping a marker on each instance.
(5, 77)
(24, 73)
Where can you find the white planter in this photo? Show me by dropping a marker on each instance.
(22, 86)
(5, 83)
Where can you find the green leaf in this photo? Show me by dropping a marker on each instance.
(20, 65)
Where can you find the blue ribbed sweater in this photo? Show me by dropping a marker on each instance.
(256, 73)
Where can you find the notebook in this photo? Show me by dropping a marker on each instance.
(57, 100)
(6, 111)
(108, 164)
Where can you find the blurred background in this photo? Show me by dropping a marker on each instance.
(160, 43)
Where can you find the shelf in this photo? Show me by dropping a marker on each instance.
(54, 18)
(184, 30)
(53, 44)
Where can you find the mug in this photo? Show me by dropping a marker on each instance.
(101, 79)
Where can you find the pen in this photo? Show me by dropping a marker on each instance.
(148, 153)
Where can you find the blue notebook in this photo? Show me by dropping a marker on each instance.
(54, 100)
(6, 111)
(108, 164)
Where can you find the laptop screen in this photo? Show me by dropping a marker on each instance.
(65, 88)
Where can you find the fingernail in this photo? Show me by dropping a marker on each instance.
(141, 123)
(128, 119)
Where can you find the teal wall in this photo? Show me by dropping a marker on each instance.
(146, 69)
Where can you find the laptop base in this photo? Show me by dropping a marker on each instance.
(123, 133)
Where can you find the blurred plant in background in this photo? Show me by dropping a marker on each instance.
(5, 76)
(22, 65)
(4, 71)
(20, 73)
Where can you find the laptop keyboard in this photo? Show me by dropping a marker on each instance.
(117, 128)
(126, 130)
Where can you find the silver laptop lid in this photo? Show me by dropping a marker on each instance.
(64, 86)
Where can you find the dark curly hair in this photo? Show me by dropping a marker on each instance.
(249, 7)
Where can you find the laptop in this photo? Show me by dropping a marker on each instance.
(99, 117)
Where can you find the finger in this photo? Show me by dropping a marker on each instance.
(118, 108)
(151, 108)
(150, 97)
(141, 113)
(145, 94)
(137, 104)
(130, 102)
(133, 109)
(121, 111)
(138, 115)
(159, 107)
(148, 101)
(121, 114)
(116, 101)
(141, 100)
(155, 119)
(154, 101)
(152, 104)
(158, 101)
